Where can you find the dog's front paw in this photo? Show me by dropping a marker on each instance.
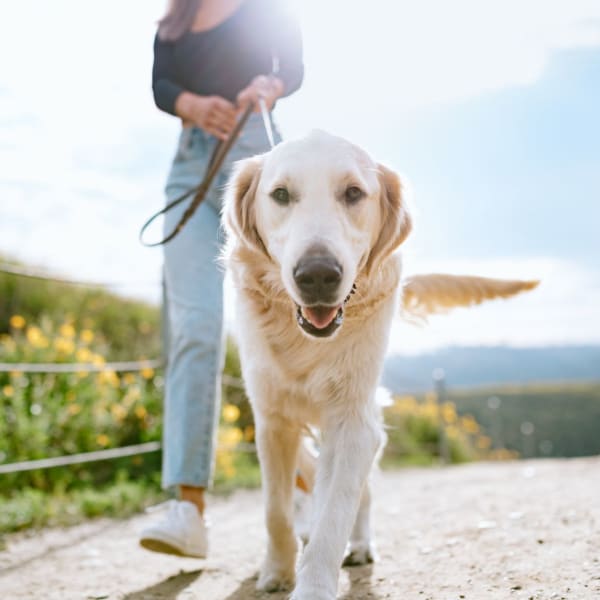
(275, 580)
(360, 554)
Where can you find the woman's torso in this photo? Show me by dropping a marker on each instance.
(223, 59)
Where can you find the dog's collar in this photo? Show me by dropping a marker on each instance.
(352, 291)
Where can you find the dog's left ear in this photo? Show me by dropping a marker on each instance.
(239, 210)
(396, 223)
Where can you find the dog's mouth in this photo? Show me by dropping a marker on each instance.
(320, 321)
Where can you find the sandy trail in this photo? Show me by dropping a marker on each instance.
(527, 530)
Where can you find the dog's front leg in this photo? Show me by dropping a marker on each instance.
(361, 549)
(278, 443)
(346, 458)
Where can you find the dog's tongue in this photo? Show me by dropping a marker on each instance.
(320, 316)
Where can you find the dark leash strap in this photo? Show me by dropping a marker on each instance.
(200, 191)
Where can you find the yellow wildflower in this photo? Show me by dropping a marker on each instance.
(430, 410)
(98, 359)
(133, 394)
(67, 330)
(128, 378)
(8, 342)
(452, 432)
(102, 440)
(17, 322)
(74, 409)
(141, 412)
(449, 412)
(147, 373)
(36, 338)
(231, 413)
(87, 336)
(118, 412)
(70, 396)
(430, 397)
(64, 345)
(83, 355)
(109, 377)
(225, 463)
(8, 391)
(469, 424)
(230, 437)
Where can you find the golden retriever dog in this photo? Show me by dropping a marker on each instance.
(313, 226)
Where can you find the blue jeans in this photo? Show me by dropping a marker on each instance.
(194, 308)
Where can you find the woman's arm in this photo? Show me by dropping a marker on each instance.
(165, 90)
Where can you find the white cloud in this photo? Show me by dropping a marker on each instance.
(367, 61)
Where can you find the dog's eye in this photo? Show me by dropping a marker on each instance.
(353, 194)
(281, 196)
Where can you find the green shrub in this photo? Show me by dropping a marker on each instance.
(414, 430)
(131, 327)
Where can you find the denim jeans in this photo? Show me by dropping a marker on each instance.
(194, 308)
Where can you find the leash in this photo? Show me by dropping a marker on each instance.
(215, 163)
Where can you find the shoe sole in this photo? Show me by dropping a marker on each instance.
(165, 548)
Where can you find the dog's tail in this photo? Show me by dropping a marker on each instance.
(437, 293)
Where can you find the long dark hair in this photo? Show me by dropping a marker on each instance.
(178, 20)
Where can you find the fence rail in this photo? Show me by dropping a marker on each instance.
(121, 367)
(98, 455)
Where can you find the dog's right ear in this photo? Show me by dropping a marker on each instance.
(239, 210)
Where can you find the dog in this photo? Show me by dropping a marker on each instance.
(312, 232)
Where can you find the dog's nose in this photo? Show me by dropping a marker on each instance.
(318, 278)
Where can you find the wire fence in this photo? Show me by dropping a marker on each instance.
(118, 367)
(99, 455)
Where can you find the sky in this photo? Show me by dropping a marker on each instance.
(488, 110)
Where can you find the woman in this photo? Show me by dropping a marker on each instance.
(211, 59)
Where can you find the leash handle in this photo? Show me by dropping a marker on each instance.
(216, 161)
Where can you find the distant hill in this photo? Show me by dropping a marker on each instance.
(478, 366)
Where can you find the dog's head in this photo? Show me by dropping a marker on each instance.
(323, 212)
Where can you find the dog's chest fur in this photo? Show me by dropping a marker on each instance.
(310, 370)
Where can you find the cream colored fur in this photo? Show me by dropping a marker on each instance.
(293, 379)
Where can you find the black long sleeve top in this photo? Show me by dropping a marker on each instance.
(259, 38)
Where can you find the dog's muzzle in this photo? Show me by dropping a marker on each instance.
(318, 276)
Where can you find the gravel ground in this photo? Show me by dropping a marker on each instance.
(522, 530)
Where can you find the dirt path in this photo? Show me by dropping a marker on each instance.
(511, 530)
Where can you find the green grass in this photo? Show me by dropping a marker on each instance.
(34, 508)
(30, 507)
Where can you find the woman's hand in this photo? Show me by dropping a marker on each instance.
(214, 114)
(268, 87)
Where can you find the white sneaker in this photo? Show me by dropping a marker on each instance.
(182, 531)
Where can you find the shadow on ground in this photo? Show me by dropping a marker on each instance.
(247, 591)
(168, 589)
(361, 584)
(361, 588)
